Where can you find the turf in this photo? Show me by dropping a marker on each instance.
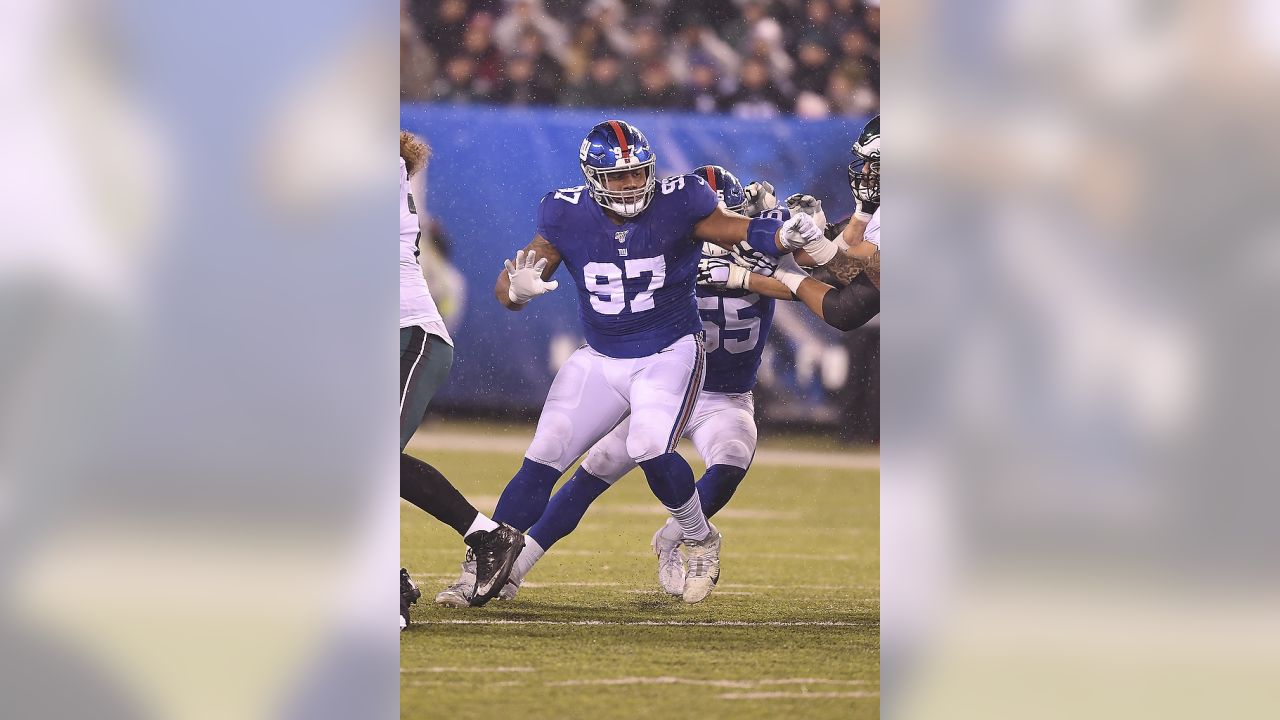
(797, 606)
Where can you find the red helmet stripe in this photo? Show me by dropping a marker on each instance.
(622, 138)
(711, 179)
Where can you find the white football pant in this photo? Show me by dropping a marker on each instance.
(723, 430)
(592, 393)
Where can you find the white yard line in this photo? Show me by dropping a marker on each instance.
(720, 588)
(796, 695)
(467, 670)
(656, 623)
(436, 439)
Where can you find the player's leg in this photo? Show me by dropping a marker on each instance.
(605, 463)
(664, 394)
(725, 437)
(723, 431)
(425, 360)
(582, 405)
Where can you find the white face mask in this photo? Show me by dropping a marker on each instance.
(627, 203)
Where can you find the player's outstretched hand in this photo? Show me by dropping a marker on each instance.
(754, 260)
(722, 273)
(526, 277)
(760, 198)
(809, 205)
(797, 232)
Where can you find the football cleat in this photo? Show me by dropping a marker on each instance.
(495, 552)
(459, 594)
(670, 562)
(703, 566)
(409, 594)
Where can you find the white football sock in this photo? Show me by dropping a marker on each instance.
(524, 562)
(691, 519)
(482, 522)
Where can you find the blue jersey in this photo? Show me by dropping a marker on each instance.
(737, 324)
(635, 281)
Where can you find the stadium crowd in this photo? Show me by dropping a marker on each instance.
(749, 58)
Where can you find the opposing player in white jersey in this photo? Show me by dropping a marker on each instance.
(632, 247)
(854, 298)
(426, 354)
(722, 428)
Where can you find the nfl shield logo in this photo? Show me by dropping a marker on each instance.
(620, 236)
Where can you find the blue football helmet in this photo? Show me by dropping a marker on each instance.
(726, 186)
(617, 148)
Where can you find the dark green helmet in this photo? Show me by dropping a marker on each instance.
(864, 171)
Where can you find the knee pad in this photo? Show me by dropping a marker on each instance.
(731, 452)
(550, 442)
(608, 461)
(646, 442)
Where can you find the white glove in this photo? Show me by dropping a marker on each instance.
(722, 273)
(754, 260)
(797, 232)
(713, 250)
(526, 277)
(760, 198)
(809, 205)
(789, 273)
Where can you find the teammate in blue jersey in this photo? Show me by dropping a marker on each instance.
(722, 428)
(631, 245)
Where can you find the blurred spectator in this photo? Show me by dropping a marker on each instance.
(610, 16)
(647, 45)
(524, 85)
(704, 86)
(756, 96)
(443, 29)
(606, 85)
(815, 63)
(857, 61)
(546, 66)
(750, 57)
(658, 88)
(454, 85)
(477, 44)
(417, 62)
(529, 16)
(699, 44)
(849, 98)
(586, 45)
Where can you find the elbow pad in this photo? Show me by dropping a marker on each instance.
(851, 306)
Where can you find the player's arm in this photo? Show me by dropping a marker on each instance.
(528, 276)
(770, 236)
(852, 233)
(844, 309)
(768, 287)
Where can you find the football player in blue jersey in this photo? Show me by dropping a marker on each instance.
(722, 428)
(631, 243)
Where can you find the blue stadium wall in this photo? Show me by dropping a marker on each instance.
(491, 166)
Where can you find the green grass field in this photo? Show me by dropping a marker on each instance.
(792, 630)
